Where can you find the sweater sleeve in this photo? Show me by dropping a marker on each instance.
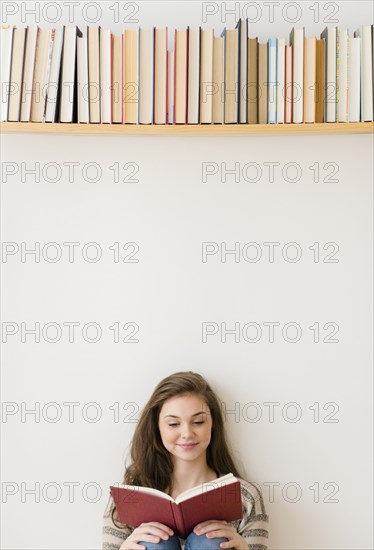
(254, 526)
(113, 536)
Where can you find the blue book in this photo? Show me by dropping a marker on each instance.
(272, 81)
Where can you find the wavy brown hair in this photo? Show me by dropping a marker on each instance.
(151, 464)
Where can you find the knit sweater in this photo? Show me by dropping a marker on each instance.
(253, 527)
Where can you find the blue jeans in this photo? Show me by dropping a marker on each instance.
(193, 542)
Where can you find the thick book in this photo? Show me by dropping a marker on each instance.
(146, 76)
(342, 75)
(43, 58)
(180, 76)
(82, 83)
(297, 41)
(54, 84)
(69, 97)
(252, 93)
(206, 77)
(219, 499)
(354, 79)
(105, 75)
(6, 58)
(329, 34)
(161, 76)
(131, 40)
(263, 83)
(16, 72)
(231, 37)
(218, 104)
(93, 52)
(28, 73)
(366, 72)
(309, 79)
(193, 94)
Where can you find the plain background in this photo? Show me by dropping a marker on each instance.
(318, 466)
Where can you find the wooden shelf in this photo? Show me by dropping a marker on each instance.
(187, 130)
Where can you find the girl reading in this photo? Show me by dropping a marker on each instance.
(179, 443)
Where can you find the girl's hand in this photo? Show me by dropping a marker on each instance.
(146, 532)
(218, 528)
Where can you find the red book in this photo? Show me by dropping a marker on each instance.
(215, 500)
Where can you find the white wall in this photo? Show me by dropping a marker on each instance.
(170, 292)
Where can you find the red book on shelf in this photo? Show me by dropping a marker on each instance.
(215, 500)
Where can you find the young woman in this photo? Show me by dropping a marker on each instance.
(180, 442)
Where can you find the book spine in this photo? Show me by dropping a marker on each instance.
(180, 526)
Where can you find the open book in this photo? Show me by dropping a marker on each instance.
(215, 500)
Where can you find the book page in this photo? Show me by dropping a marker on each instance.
(208, 486)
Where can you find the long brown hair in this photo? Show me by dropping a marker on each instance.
(151, 464)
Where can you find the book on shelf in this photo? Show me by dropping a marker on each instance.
(54, 84)
(272, 81)
(15, 84)
(28, 73)
(193, 78)
(180, 76)
(218, 103)
(281, 70)
(263, 62)
(252, 89)
(329, 34)
(137, 77)
(219, 499)
(297, 43)
(208, 90)
(309, 113)
(6, 58)
(116, 79)
(105, 76)
(231, 41)
(320, 80)
(288, 86)
(242, 26)
(93, 49)
(161, 76)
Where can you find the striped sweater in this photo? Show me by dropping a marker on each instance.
(253, 527)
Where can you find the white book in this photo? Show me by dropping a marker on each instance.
(28, 73)
(342, 75)
(281, 48)
(161, 77)
(309, 79)
(297, 41)
(330, 73)
(43, 56)
(193, 102)
(206, 80)
(68, 83)
(16, 72)
(243, 69)
(105, 75)
(6, 57)
(218, 109)
(171, 87)
(82, 84)
(53, 84)
(354, 82)
(146, 76)
(272, 78)
(366, 114)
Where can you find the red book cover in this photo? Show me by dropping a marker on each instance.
(210, 501)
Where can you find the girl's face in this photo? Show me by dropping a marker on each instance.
(185, 426)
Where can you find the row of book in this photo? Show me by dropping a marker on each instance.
(59, 75)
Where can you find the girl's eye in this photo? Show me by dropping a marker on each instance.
(172, 425)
